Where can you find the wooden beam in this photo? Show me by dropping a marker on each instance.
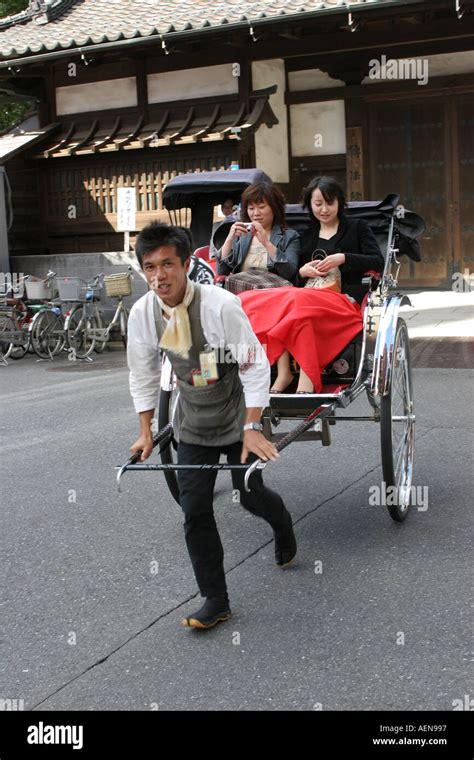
(109, 137)
(437, 85)
(144, 141)
(209, 126)
(59, 146)
(142, 86)
(184, 128)
(85, 140)
(396, 37)
(131, 136)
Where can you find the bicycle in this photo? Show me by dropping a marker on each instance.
(17, 315)
(83, 325)
(47, 331)
(47, 327)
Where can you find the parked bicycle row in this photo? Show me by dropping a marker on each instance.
(61, 313)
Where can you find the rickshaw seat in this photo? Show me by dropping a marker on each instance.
(202, 252)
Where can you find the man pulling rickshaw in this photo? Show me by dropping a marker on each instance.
(219, 409)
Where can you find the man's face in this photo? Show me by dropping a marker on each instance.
(166, 274)
(227, 207)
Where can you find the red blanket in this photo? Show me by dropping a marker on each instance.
(313, 325)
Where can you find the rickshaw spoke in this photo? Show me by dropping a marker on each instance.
(400, 456)
(401, 378)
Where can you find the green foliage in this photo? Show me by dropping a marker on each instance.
(9, 115)
(7, 7)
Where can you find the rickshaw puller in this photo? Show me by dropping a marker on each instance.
(223, 415)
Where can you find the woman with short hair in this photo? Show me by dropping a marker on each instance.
(260, 241)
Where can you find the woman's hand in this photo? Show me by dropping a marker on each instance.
(237, 230)
(262, 237)
(333, 261)
(308, 270)
(260, 233)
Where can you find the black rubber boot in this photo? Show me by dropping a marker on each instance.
(215, 610)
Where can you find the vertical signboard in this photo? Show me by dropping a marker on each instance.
(354, 164)
(126, 213)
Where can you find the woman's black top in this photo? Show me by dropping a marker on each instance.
(356, 240)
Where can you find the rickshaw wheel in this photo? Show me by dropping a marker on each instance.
(397, 428)
(165, 414)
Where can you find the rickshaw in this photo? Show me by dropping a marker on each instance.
(376, 362)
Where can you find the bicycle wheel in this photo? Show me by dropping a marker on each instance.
(77, 333)
(165, 414)
(18, 351)
(99, 345)
(47, 334)
(124, 325)
(397, 427)
(7, 328)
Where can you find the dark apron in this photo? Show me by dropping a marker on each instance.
(214, 414)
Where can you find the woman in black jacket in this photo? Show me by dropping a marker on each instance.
(350, 244)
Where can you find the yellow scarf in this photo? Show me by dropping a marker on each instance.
(177, 335)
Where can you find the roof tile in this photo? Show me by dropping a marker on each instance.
(72, 23)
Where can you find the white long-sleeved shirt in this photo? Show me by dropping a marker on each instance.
(225, 326)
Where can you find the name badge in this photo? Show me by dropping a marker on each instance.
(197, 379)
(208, 362)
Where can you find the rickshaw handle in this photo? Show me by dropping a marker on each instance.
(163, 437)
(319, 413)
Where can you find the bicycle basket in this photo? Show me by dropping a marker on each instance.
(118, 284)
(39, 290)
(90, 293)
(75, 289)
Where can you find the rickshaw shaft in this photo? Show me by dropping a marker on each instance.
(130, 467)
(320, 413)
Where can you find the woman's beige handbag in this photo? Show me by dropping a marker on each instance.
(332, 281)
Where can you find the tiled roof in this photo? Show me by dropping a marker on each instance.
(50, 25)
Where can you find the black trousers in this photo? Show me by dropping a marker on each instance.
(196, 494)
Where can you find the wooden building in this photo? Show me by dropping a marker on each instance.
(378, 93)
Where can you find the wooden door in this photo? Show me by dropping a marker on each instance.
(304, 169)
(409, 153)
(463, 185)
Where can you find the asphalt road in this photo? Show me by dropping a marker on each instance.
(373, 615)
